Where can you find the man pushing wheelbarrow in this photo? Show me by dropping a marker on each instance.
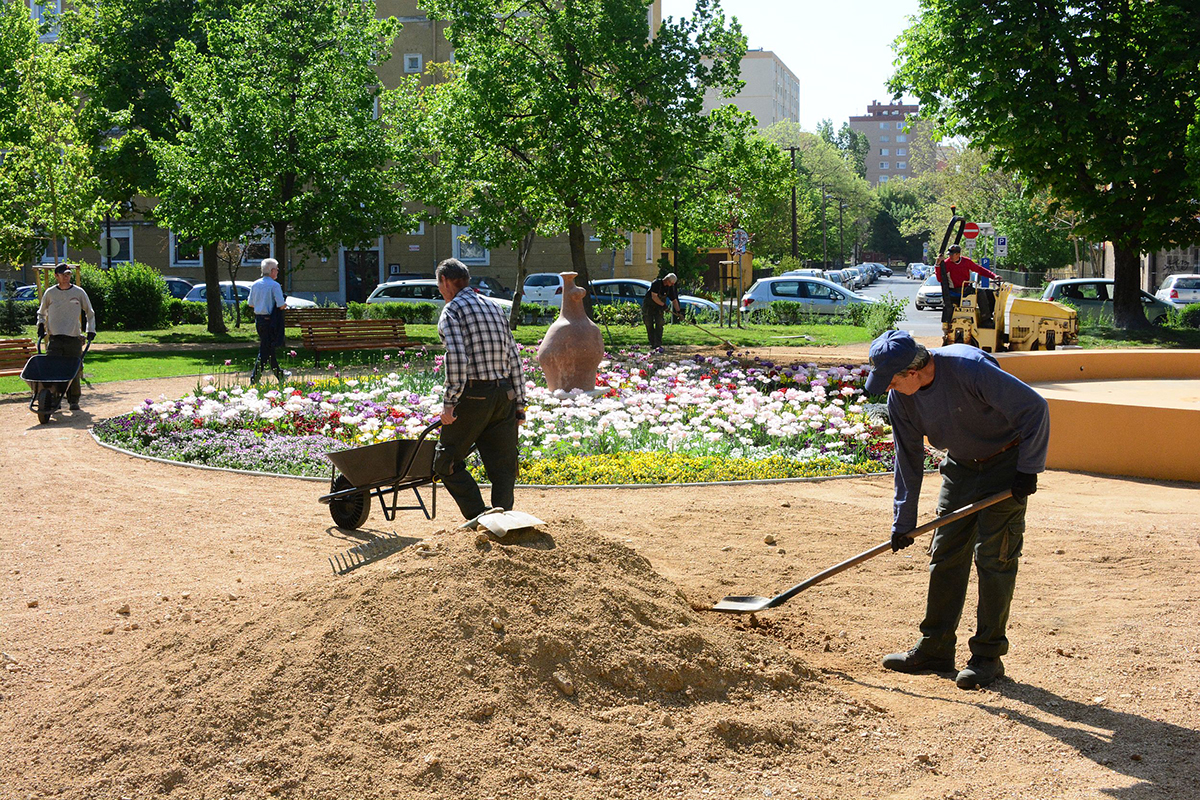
(61, 316)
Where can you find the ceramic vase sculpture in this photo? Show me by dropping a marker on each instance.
(573, 346)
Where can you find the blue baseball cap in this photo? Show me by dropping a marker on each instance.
(892, 352)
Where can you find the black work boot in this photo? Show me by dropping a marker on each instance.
(916, 661)
(979, 672)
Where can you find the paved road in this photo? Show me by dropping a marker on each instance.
(920, 323)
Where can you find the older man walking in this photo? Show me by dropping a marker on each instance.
(266, 298)
(484, 399)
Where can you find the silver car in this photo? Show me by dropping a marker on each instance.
(1092, 298)
(1180, 290)
(821, 296)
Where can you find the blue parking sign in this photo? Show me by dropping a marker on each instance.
(986, 263)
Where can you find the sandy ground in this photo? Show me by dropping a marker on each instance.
(174, 632)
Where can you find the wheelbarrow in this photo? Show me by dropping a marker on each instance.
(48, 377)
(383, 471)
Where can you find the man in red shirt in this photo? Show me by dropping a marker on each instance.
(960, 269)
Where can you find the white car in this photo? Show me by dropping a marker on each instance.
(423, 290)
(611, 291)
(811, 273)
(199, 294)
(820, 295)
(930, 294)
(1180, 290)
(544, 288)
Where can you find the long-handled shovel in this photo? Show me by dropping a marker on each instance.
(724, 342)
(745, 604)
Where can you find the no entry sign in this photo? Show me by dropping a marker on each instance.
(970, 230)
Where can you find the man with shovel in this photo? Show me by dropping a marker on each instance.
(995, 430)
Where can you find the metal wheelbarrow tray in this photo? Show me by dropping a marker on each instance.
(380, 470)
(48, 378)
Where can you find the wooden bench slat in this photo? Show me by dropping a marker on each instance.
(13, 355)
(354, 334)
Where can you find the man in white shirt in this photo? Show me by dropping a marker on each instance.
(61, 314)
(266, 298)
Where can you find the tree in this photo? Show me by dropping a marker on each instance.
(854, 146)
(899, 202)
(48, 188)
(575, 116)
(283, 129)
(1089, 100)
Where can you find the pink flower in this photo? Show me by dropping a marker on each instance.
(228, 361)
(387, 357)
(291, 353)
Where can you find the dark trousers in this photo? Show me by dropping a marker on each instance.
(993, 537)
(652, 315)
(264, 325)
(486, 419)
(70, 347)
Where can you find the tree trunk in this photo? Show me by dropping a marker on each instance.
(1127, 296)
(280, 230)
(579, 262)
(212, 282)
(523, 248)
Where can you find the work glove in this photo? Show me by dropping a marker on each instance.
(1024, 485)
(91, 335)
(41, 329)
(901, 540)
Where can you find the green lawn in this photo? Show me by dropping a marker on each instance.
(1104, 336)
(200, 353)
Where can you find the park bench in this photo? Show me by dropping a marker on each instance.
(13, 355)
(354, 334)
(294, 317)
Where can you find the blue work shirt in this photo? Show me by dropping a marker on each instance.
(266, 295)
(973, 410)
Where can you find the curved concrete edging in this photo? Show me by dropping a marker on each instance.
(764, 481)
(1153, 436)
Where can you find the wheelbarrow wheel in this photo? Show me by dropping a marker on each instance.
(45, 405)
(349, 512)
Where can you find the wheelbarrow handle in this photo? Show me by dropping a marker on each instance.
(416, 448)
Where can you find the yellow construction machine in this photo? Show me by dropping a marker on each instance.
(997, 319)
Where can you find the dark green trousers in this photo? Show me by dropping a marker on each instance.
(487, 420)
(994, 538)
(70, 347)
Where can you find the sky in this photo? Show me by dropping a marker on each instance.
(840, 51)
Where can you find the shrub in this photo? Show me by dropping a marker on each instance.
(877, 317)
(1189, 316)
(186, 312)
(10, 316)
(94, 281)
(538, 314)
(356, 310)
(135, 297)
(411, 313)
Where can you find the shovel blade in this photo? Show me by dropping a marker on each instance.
(742, 604)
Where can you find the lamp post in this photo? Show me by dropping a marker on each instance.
(795, 250)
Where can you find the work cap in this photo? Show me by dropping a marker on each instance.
(892, 352)
(955, 248)
(61, 268)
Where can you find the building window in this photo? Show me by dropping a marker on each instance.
(46, 13)
(257, 246)
(901, 151)
(899, 126)
(883, 178)
(123, 253)
(629, 250)
(184, 252)
(884, 165)
(56, 247)
(901, 165)
(885, 138)
(883, 126)
(649, 247)
(413, 62)
(466, 249)
(883, 151)
(900, 137)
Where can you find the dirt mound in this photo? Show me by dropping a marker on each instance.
(478, 670)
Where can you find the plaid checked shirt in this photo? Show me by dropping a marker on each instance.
(479, 346)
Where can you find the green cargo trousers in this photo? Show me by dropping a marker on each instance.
(486, 419)
(994, 536)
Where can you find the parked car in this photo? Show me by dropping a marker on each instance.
(918, 271)
(860, 277)
(930, 294)
(424, 290)
(177, 287)
(611, 291)
(199, 294)
(1180, 290)
(491, 287)
(545, 288)
(821, 296)
(29, 292)
(1092, 298)
(812, 273)
(5, 283)
(839, 277)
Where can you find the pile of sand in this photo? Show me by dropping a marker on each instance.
(558, 660)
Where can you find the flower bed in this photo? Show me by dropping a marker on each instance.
(702, 419)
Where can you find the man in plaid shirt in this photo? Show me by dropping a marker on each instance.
(484, 400)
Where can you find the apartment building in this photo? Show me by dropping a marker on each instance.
(900, 144)
(351, 273)
(771, 91)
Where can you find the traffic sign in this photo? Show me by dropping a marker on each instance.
(1001, 247)
(985, 262)
(740, 240)
(970, 230)
(971, 245)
